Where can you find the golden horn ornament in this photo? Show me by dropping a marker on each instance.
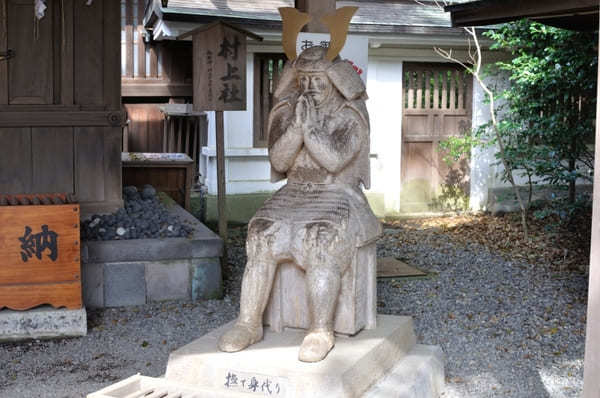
(293, 21)
(338, 24)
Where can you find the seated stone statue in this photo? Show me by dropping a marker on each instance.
(318, 139)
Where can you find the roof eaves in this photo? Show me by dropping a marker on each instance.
(152, 14)
(486, 12)
(177, 13)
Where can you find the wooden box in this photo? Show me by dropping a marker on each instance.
(39, 256)
(171, 173)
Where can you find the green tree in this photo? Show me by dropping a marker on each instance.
(548, 125)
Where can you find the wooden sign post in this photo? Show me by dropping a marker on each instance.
(219, 53)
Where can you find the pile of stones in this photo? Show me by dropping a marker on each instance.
(143, 216)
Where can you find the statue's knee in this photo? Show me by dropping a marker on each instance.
(325, 237)
(259, 226)
(319, 233)
(326, 248)
(259, 239)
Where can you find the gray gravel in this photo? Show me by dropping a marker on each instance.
(508, 329)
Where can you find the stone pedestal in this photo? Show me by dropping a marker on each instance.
(384, 362)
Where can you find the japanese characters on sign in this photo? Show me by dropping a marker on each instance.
(354, 51)
(255, 383)
(36, 244)
(40, 251)
(309, 43)
(219, 69)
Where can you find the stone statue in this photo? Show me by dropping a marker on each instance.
(319, 140)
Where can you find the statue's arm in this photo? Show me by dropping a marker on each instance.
(285, 138)
(335, 150)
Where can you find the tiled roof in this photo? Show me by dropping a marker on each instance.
(374, 16)
(263, 9)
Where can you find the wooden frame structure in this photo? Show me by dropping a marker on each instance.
(60, 103)
(142, 75)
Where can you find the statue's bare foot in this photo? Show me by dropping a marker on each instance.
(239, 337)
(316, 345)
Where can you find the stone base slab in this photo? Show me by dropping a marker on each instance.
(143, 386)
(354, 364)
(419, 375)
(42, 323)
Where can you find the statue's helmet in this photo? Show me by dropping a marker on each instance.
(340, 72)
(313, 59)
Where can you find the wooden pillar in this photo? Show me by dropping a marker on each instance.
(316, 8)
(221, 195)
(591, 379)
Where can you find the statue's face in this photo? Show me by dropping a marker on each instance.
(315, 84)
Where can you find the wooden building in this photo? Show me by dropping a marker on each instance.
(60, 103)
(154, 74)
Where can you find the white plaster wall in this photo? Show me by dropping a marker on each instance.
(384, 87)
(481, 158)
(486, 171)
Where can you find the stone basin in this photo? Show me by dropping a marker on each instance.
(138, 271)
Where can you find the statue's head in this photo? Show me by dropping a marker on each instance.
(313, 74)
(311, 67)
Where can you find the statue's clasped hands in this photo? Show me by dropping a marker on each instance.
(305, 117)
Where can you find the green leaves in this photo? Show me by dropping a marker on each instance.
(550, 105)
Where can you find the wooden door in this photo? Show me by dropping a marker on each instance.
(267, 71)
(29, 73)
(437, 102)
(145, 130)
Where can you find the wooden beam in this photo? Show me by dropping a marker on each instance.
(153, 60)
(34, 119)
(112, 55)
(3, 47)
(487, 12)
(129, 38)
(156, 90)
(66, 90)
(591, 368)
(140, 41)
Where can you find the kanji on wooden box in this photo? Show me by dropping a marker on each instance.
(39, 255)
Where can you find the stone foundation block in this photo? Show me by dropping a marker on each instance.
(124, 284)
(167, 280)
(206, 279)
(136, 283)
(42, 323)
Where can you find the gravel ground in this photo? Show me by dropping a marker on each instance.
(508, 329)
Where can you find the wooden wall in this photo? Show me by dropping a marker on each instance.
(152, 69)
(60, 105)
